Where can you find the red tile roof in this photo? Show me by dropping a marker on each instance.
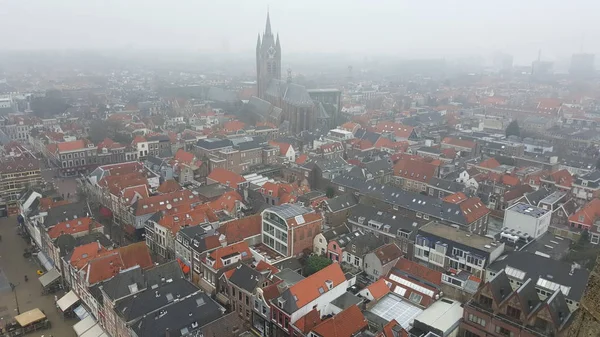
(388, 253)
(169, 186)
(350, 126)
(399, 130)
(307, 322)
(455, 198)
(588, 214)
(379, 289)
(489, 163)
(72, 146)
(416, 170)
(301, 159)
(264, 266)
(473, 209)
(234, 126)
(240, 229)
(459, 142)
(227, 202)
(226, 177)
(283, 147)
(419, 271)
(138, 139)
(82, 254)
(130, 193)
(74, 226)
(345, 324)
(236, 248)
(161, 202)
(175, 220)
(561, 178)
(307, 289)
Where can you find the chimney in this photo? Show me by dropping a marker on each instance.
(167, 332)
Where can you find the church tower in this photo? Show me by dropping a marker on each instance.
(268, 59)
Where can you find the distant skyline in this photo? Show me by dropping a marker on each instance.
(406, 29)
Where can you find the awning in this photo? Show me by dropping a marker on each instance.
(45, 261)
(95, 331)
(30, 317)
(81, 312)
(67, 301)
(84, 325)
(49, 277)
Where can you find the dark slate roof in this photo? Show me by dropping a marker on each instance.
(528, 296)
(67, 212)
(344, 239)
(593, 179)
(534, 198)
(250, 145)
(446, 185)
(125, 283)
(364, 244)
(221, 95)
(500, 287)
(170, 270)
(559, 309)
(335, 232)
(321, 112)
(332, 163)
(408, 200)
(146, 301)
(368, 135)
(96, 293)
(152, 160)
(246, 278)
(341, 202)
(293, 93)
(395, 222)
(535, 266)
(346, 300)
(160, 138)
(429, 149)
(213, 143)
(181, 318)
(375, 166)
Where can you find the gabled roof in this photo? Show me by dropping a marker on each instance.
(307, 322)
(560, 177)
(473, 209)
(227, 202)
(388, 253)
(378, 289)
(226, 177)
(245, 277)
(161, 202)
(242, 228)
(236, 248)
(588, 214)
(459, 142)
(455, 198)
(489, 163)
(345, 324)
(72, 227)
(415, 170)
(311, 288)
(169, 186)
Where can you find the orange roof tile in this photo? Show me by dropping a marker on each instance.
(138, 139)
(416, 170)
(226, 177)
(174, 220)
(82, 254)
(459, 142)
(234, 126)
(169, 186)
(242, 228)
(301, 159)
(378, 289)
(345, 324)
(161, 202)
(136, 254)
(236, 248)
(561, 178)
(307, 322)
(227, 202)
(72, 227)
(489, 163)
(283, 147)
(588, 214)
(419, 271)
(264, 266)
(473, 209)
(72, 146)
(455, 198)
(307, 289)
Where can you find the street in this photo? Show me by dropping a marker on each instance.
(66, 187)
(13, 268)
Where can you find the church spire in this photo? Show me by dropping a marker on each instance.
(258, 42)
(268, 28)
(277, 45)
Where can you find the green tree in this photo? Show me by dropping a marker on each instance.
(330, 192)
(513, 129)
(315, 263)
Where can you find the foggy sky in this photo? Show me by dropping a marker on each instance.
(433, 28)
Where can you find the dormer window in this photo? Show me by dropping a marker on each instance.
(329, 284)
(584, 183)
(280, 302)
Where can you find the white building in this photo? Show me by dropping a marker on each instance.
(527, 219)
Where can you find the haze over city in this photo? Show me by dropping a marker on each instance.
(406, 29)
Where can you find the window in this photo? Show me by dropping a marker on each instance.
(470, 334)
(485, 301)
(513, 312)
(476, 320)
(504, 331)
(415, 298)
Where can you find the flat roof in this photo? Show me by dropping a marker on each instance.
(392, 307)
(442, 315)
(528, 209)
(459, 236)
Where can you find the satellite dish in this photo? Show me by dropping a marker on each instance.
(169, 206)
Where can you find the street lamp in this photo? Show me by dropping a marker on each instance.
(13, 288)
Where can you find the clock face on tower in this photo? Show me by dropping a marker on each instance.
(271, 52)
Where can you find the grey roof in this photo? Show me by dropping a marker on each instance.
(408, 200)
(500, 287)
(180, 318)
(288, 211)
(125, 283)
(250, 145)
(559, 309)
(246, 278)
(213, 143)
(67, 212)
(376, 217)
(346, 300)
(446, 185)
(160, 138)
(155, 161)
(535, 266)
(292, 93)
(221, 95)
(212, 191)
(288, 276)
(344, 239)
(333, 163)
(150, 299)
(167, 271)
(341, 202)
(375, 166)
(368, 135)
(335, 232)
(592, 178)
(364, 244)
(529, 297)
(534, 198)
(429, 149)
